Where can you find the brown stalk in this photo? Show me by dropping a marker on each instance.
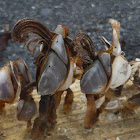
(91, 116)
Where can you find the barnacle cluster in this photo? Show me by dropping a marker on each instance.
(60, 61)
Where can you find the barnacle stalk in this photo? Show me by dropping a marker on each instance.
(68, 101)
(2, 105)
(90, 117)
(40, 123)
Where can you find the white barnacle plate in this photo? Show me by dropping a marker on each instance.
(121, 71)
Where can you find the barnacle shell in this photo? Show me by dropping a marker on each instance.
(105, 59)
(69, 79)
(23, 69)
(59, 47)
(121, 71)
(105, 42)
(16, 80)
(116, 44)
(115, 48)
(26, 110)
(112, 105)
(94, 80)
(116, 35)
(115, 25)
(6, 85)
(14, 73)
(53, 75)
(62, 30)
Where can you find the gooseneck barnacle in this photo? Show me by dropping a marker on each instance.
(31, 26)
